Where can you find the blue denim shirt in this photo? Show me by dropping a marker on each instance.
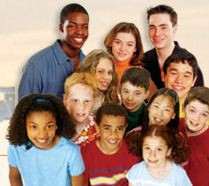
(46, 71)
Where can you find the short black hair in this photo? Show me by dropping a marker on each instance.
(137, 77)
(181, 56)
(163, 9)
(110, 109)
(17, 133)
(71, 8)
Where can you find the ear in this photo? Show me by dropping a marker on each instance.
(175, 28)
(163, 76)
(147, 93)
(169, 152)
(195, 78)
(61, 27)
(65, 100)
(174, 115)
(97, 128)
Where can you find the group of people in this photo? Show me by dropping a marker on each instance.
(115, 117)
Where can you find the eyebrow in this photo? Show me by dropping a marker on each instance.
(174, 69)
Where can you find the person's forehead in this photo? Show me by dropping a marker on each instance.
(181, 66)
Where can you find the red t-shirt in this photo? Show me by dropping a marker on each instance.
(197, 167)
(102, 169)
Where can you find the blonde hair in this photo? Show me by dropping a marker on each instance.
(90, 63)
(83, 78)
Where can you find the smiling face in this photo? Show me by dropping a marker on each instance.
(180, 78)
(79, 102)
(155, 152)
(123, 46)
(41, 128)
(161, 30)
(112, 130)
(133, 96)
(161, 110)
(196, 116)
(75, 30)
(104, 74)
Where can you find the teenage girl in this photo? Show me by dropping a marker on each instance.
(162, 149)
(40, 152)
(101, 65)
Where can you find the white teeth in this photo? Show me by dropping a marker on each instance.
(112, 141)
(41, 141)
(79, 40)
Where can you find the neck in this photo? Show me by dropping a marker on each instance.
(163, 53)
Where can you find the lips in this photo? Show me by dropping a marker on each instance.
(177, 87)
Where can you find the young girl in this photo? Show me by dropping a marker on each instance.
(161, 148)
(163, 109)
(101, 65)
(40, 152)
(124, 43)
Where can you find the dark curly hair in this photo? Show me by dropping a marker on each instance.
(173, 139)
(17, 134)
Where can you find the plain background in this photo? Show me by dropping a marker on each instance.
(28, 26)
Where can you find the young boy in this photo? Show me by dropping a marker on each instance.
(107, 159)
(180, 74)
(196, 130)
(134, 89)
(80, 91)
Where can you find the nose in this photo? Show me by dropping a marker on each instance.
(157, 32)
(122, 47)
(79, 30)
(130, 97)
(180, 78)
(42, 133)
(80, 106)
(152, 154)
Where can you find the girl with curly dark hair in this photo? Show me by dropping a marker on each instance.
(40, 150)
(161, 148)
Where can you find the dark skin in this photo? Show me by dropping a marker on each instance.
(75, 33)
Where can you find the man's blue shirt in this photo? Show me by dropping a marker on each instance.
(46, 71)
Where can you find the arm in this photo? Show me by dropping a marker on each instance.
(15, 177)
(77, 180)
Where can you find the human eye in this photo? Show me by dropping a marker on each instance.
(138, 93)
(168, 110)
(87, 101)
(173, 73)
(74, 100)
(156, 106)
(205, 115)
(100, 71)
(116, 41)
(71, 25)
(192, 110)
(187, 76)
(146, 148)
(125, 91)
(159, 149)
(50, 126)
(106, 128)
(86, 26)
(120, 129)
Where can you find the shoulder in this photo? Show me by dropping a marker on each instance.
(136, 170)
(43, 55)
(68, 146)
(89, 148)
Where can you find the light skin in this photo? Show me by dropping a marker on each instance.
(123, 46)
(79, 103)
(132, 96)
(112, 129)
(196, 116)
(75, 33)
(161, 31)
(161, 110)
(155, 154)
(103, 74)
(180, 78)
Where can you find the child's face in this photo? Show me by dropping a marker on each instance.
(111, 129)
(79, 102)
(161, 110)
(196, 116)
(180, 78)
(41, 128)
(123, 46)
(155, 151)
(133, 96)
(103, 74)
